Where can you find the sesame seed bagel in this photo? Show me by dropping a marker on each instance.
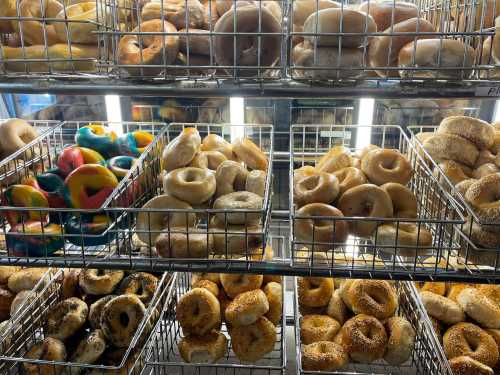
(246, 308)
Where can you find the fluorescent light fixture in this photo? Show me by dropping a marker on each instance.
(496, 113)
(114, 112)
(237, 113)
(365, 117)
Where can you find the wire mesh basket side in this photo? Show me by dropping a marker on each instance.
(437, 212)
(230, 241)
(165, 358)
(426, 357)
(28, 330)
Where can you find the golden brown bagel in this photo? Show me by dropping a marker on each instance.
(387, 12)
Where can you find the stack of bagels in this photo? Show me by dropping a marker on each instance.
(14, 135)
(367, 186)
(465, 149)
(212, 173)
(189, 43)
(354, 321)
(250, 306)
(68, 36)
(469, 316)
(400, 46)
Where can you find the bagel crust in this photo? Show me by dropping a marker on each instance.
(371, 297)
(323, 356)
(246, 308)
(449, 146)
(475, 130)
(442, 308)
(480, 308)
(465, 365)
(314, 328)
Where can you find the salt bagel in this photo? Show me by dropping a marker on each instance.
(433, 53)
(181, 14)
(442, 308)
(230, 176)
(325, 233)
(49, 349)
(336, 158)
(208, 159)
(81, 22)
(14, 135)
(256, 182)
(235, 284)
(371, 297)
(470, 340)
(319, 188)
(151, 222)
(246, 308)
(244, 207)
(89, 349)
(99, 282)
(179, 243)
(181, 150)
(349, 177)
(475, 130)
(483, 194)
(203, 349)
(335, 20)
(384, 49)
(364, 338)
(480, 308)
(386, 165)
(314, 291)
(365, 200)
(66, 318)
(409, 239)
(191, 185)
(448, 146)
(152, 49)
(314, 328)
(250, 154)
(34, 31)
(386, 12)
(401, 340)
(404, 202)
(250, 18)
(465, 365)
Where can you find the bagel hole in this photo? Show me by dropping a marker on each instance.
(190, 176)
(322, 223)
(90, 191)
(389, 164)
(124, 319)
(100, 272)
(311, 182)
(140, 290)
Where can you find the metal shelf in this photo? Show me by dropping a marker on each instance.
(387, 88)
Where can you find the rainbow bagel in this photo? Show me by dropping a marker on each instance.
(98, 138)
(24, 196)
(87, 230)
(50, 185)
(120, 165)
(33, 238)
(74, 156)
(134, 143)
(89, 185)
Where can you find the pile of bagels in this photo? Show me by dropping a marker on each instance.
(351, 320)
(189, 42)
(14, 135)
(469, 316)
(466, 149)
(95, 319)
(199, 175)
(406, 41)
(250, 306)
(366, 186)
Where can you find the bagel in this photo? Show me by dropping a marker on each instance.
(236, 239)
(33, 30)
(455, 289)
(244, 207)
(230, 176)
(408, 239)
(89, 349)
(252, 342)
(349, 177)
(448, 146)
(442, 308)
(477, 131)
(197, 40)
(365, 200)
(464, 185)
(14, 135)
(371, 297)
(150, 50)
(434, 287)
(314, 328)
(465, 365)
(456, 172)
(6, 300)
(336, 158)
(304, 171)
(181, 150)
(99, 282)
(249, 18)
(482, 18)
(483, 194)
(203, 349)
(95, 311)
(320, 234)
(21, 300)
(404, 202)
(6, 272)
(256, 182)
(363, 338)
(182, 14)
(485, 170)
(50, 349)
(480, 308)
(70, 287)
(470, 340)
(337, 309)
(179, 243)
(323, 356)
(319, 188)
(235, 284)
(246, 308)
(302, 9)
(250, 154)
(66, 318)
(25, 279)
(150, 222)
(141, 284)
(191, 185)
(335, 20)
(386, 165)
(384, 49)
(434, 53)
(8, 9)
(81, 22)
(314, 291)
(208, 285)
(274, 295)
(208, 159)
(214, 142)
(401, 340)
(386, 12)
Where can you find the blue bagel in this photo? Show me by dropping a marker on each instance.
(88, 230)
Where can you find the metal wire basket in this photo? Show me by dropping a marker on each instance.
(484, 260)
(249, 239)
(188, 44)
(40, 157)
(427, 358)
(28, 329)
(347, 45)
(166, 359)
(359, 256)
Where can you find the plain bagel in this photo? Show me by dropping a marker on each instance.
(383, 12)
(14, 135)
(475, 130)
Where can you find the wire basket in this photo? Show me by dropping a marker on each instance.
(28, 329)
(50, 39)
(166, 359)
(41, 157)
(346, 45)
(427, 358)
(484, 260)
(367, 257)
(182, 41)
(233, 243)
